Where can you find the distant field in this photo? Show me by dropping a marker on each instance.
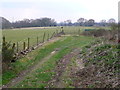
(16, 35)
(21, 35)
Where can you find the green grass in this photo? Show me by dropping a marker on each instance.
(30, 59)
(40, 75)
(6, 77)
(22, 35)
(17, 35)
(37, 55)
(0, 80)
(44, 73)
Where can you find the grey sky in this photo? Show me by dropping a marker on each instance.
(59, 10)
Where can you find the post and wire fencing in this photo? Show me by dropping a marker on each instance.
(30, 43)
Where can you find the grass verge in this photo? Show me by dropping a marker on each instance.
(40, 77)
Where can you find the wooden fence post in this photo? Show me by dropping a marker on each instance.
(23, 45)
(48, 37)
(52, 35)
(56, 32)
(79, 32)
(44, 37)
(17, 47)
(37, 41)
(3, 38)
(28, 43)
(13, 46)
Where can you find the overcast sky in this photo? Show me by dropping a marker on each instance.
(60, 10)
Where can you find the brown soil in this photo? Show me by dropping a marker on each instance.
(92, 77)
(60, 68)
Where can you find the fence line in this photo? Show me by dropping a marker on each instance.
(48, 37)
(28, 44)
(44, 37)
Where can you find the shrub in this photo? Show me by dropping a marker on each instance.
(107, 34)
(96, 33)
(7, 53)
(114, 26)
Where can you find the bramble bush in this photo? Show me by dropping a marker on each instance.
(8, 51)
(112, 34)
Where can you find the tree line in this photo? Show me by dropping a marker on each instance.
(45, 22)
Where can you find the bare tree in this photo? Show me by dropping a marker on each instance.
(90, 22)
(112, 20)
(103, 22)
(81, 21)
(69, 22)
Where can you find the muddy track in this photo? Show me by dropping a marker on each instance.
(32, 68)
(60, 68)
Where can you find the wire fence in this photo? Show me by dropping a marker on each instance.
(30, 43)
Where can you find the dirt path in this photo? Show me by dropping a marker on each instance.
(60, 68)
(31, 69)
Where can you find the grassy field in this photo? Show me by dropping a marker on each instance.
(21, 35)
(65, 44)
(17, 35)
